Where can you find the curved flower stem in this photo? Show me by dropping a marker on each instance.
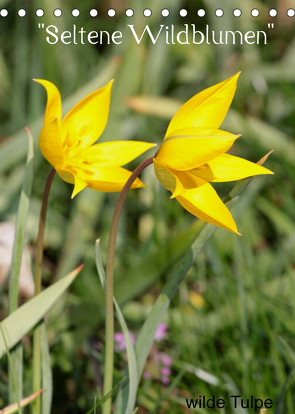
(38, 285)
(109, 327)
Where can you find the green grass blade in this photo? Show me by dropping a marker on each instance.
(128, 403)
(280, 404)
(20, 226)
(47, 382)
(17, 354)
(20, 322)
(14, 384)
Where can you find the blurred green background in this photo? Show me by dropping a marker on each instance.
(231, 325)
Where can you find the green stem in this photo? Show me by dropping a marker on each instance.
(109, 326)
(38, 284)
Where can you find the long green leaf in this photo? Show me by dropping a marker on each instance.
(20, 322)
(129, 403)
(16, 355)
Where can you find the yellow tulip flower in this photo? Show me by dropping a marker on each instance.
(194, 153)
(67, 143)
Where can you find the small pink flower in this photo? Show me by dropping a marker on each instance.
(166, 371)
(161, 332)
(164, 358)
(120, 341)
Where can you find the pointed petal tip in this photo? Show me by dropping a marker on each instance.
(110, 83)
(80, 184)
(152, 144)
(138, 184)
(75, 192)
(176, 193)
(236, 75)
(142, 185)
(268, 172)
(232, 228)
(39, 80)
(145, 145)
(234, 78)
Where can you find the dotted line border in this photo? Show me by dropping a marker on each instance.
(148, 12)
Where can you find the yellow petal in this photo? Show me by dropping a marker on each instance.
(197, 132)
(53, 107)
(85, 122)
(207, 109)
(188, 180)
(79, 186)
(203, 202)
(168, 179)
(50, 143)
(108, 179)
(115, 153)
(66, 175)
(227, 167)
(188, 152)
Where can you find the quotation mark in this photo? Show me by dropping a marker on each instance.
(41, 25)
(270, 25)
